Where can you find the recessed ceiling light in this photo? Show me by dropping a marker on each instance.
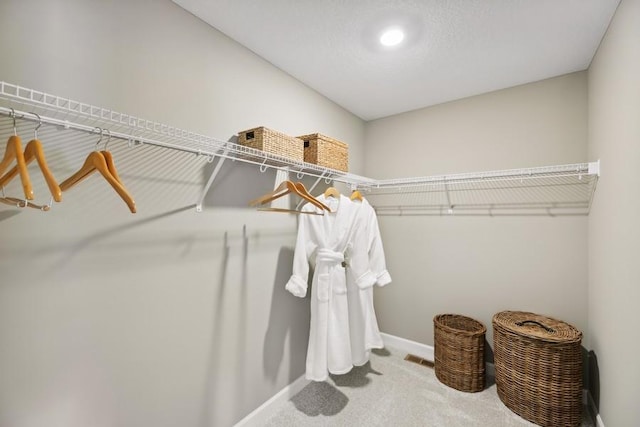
(392, 37)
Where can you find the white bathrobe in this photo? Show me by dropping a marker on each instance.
(363, 324)
(323, 242)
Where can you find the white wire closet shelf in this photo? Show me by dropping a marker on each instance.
(551, 190)
(72, 114)
(554, 190)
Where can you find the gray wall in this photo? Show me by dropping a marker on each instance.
(614, 228)
(167, 317)
(480, 265)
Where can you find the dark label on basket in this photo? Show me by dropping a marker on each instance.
(250, 135)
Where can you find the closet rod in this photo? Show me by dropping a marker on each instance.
(24, 115)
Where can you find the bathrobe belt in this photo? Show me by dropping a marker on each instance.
(330, 278)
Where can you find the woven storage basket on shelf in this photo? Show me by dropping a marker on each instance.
(324, 151)
(273, 142)
(459, 351)
(538, 363)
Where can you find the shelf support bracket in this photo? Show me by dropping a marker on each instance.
(216, 169)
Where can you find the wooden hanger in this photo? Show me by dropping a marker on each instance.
(31, 151)
(356, 195)
(109, 158)
(96, 162)
(283, 189)
(279, 191)
(332, 192)
(23, 203)
(291, 210)
(308, 196)
(14, 151)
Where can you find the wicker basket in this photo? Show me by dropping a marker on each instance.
(538, 364)
(459, 352)
(273, 142)
(324, 151)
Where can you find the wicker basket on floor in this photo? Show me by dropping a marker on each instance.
(459, 351)
(538, 363)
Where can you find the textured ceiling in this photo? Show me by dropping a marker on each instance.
(452, 48)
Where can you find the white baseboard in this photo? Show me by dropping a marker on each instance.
(271, 406)
(411, 347)
(422, 350)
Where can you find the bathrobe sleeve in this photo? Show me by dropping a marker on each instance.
(376, 251)
(305, 248)
(358, 257)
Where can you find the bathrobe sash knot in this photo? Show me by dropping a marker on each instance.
(331, 276)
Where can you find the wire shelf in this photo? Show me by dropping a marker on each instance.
(562, 189)
(68, 113)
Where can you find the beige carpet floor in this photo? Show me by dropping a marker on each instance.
(390, 391)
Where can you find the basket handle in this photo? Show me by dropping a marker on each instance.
(546, 328)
